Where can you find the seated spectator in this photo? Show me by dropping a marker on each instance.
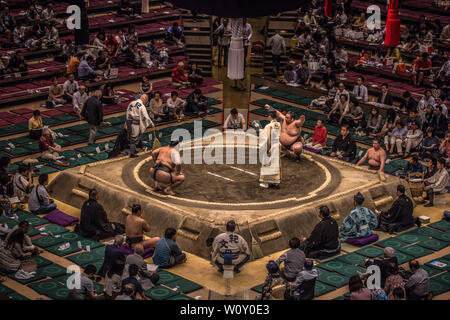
(51, 38)
(174, 35)
(303, 286)
(427, 100)
(385, 97)
(109, 95)
(176, 106)
(303, 74)
(196, 102)
(113, 255)
(399, 216)
(99, 42)
(113, 281)
(69, 88)
(428, 119)
(413, 138)
(323, 241)
(48, 14)
(132, 35)
(195, 75)
(167, 252)
(5, 178)
(85, 71)
(49, 149)
(135, 228)
(102, 61)
(112, 46)
(55, 94)
(79, 99)
(357, 289)
(86, 289)
(39, 201)
(331, 103)
(147, 279)
(340, 58)
(440, 103)
(289, 75)
(421, 68)
(413, 117)
(440, 85)
(395, 138)
(438, 183)
(35, 125)
(375, 157)
(293, 260)
(74, 63)
(389, 125)
(394, 282)
(22, 242)
(12, 256)
(235, 121)
(344, 147)
(413, 166)
(7, 21)
(431, 168)
(374, 123)
(146, 87)
(152, 50)
(68, 51)
(444, 148)
(340, 109)
(135, 57)
(19, 35)
(273, 280)
(23, 183)
(127, 293)
(133, 271)
(441, 126)
(354, 118)
(360, 90)
(156, 109)
(229, 248)
(17, 64)
(319, 138)
(329, 75)
(418, 285)
(179, 79)
(408, 103)
(360, 222)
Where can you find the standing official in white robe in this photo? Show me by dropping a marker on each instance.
(137, 121)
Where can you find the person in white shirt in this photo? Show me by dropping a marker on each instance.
(176, 106)
(440, 102)
(247, 34)
(438, 183)
(223, 41)
(22, 183)
(413, 137)
(278, 47)
(235, 120)
(340, 57)
(360, 90)
(340, 18)
(79, 98)
(69, 88)
(137, 121)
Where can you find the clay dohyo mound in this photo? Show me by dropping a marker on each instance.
(240, 183)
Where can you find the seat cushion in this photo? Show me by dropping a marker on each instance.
(60, 218)
(359, 242)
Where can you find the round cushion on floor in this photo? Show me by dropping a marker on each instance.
(52, 270)
(409, 238)
(353, 258)
(84, 258)
(333, 265)
(70, 236)
(61, 293)
(371, 252)
(393, 243)
(47, 285)
(415, 250)
(160, 292)
(180, 297)
(165, 277)
(45, 241)
(444, 278)
(432, 243)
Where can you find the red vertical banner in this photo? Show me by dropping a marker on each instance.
(329, 8)
(392, 37)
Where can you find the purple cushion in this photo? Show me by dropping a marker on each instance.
(359, 242)
(147, 252)
(61, 218)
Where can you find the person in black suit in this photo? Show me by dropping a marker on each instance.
(385, 97)
(441, 123)
(93, 113)
(112, 254)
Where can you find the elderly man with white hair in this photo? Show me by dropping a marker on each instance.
(79, 99)
(48, 148)
(137, 121)
(112, 255)
(147, 279)
(179, 78)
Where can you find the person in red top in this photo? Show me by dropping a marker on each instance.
(49, 149)
(319, 139)
(421, 68)
(112, 46)
(179, 79)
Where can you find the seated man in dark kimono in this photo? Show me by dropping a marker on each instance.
(196, 102)
(399, 217)
(94, 222)
(323, 241)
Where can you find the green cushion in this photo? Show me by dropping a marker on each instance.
(22, 140)
(10, 222)
(17, 296)
(352, 258)
(444, 267)
(441, 225)
(42, 262)
(411, 238)
(69, 154)
(42, 287)
(53, 270)
(160, 293)
(75, 138)
(262, 102)
(32, 232)
(258, 288)
(443, 278)
(65, 118)
(443, 236)
(185, 285)
(5, 290)
(50, 121)
(167, 277)
(32, 147)
(431, 271)
(332, 278)
(99, 156)
(425, 231)
(111, 130)
(438, 287)
(79, 127)
(18, 151)
(55, 249)
(37, 221)
(403, 257)
(46, 170)
(416, 251)
(322, 288)
(392, 242)
(332, 265)
(21, 127)
(94, 257)
(47, 241)
(54, 229)
(180, 297)
(433, 244)
(87, 149)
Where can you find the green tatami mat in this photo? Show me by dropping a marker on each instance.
(166, 277)
(5, 289)
(185, 285)
(392, 242)
(180, 297)
(337, 266)
(439, 264)
(433, 244)
(17, 296)
(42, 262)
(56, 249)
(42, 287)
(411, 238)
(438, 287)
(424, 231)
(444, 278)
(160, 293)
(403, 257)
(84, 258)
(352, 258)
(322, 288)
(332, 278)
(370, 252)
(49, 241)
(431, 271)
(54, 229)
(416, 251)
(441, 225)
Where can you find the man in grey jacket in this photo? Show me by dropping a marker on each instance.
(147, 279)
(293, 260)
(278, 46)
(418, 285)
(39, 201)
